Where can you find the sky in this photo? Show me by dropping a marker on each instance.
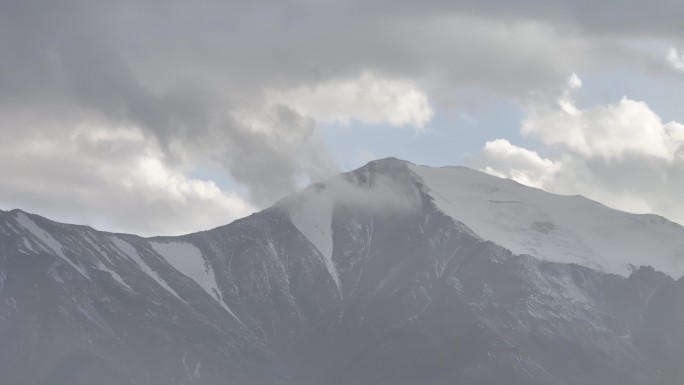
(167, 117)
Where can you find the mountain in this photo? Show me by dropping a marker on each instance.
(391, 274)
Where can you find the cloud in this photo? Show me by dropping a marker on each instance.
(367, 98)
(676, 59)
(611, 132)
(501, 158)
(613, 17)
(110, 177)
(268, 149)
(365, 192)
(247, 84)
(622, 154)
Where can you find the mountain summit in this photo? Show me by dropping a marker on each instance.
(526, 220)
(390, 274)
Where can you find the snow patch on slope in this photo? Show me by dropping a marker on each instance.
(129, 251)
(313, 218)
(187, 259)
(567, 229)
(93, 242)
(46, 241)
(114, 274)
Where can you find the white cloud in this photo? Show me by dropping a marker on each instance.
(501, 158)
(621, 154)
(574, 82)
(368, 98)
(611, 131)
(111, 178)
(675, 59)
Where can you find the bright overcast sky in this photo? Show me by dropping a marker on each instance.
(164, 117)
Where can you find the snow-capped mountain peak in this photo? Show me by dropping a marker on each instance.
(525, 220)
(390, 274)
(567, 229)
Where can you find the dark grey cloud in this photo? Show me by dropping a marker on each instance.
(240, 48)
(78, 55)
(660, 18)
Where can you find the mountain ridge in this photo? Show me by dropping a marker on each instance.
(395, 297)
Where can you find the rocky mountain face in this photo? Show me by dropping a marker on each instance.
(379, 276)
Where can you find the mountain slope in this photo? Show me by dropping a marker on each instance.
(569, 229)
(391, 274)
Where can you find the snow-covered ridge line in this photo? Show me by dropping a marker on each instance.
(46, 241)
(566, 229)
